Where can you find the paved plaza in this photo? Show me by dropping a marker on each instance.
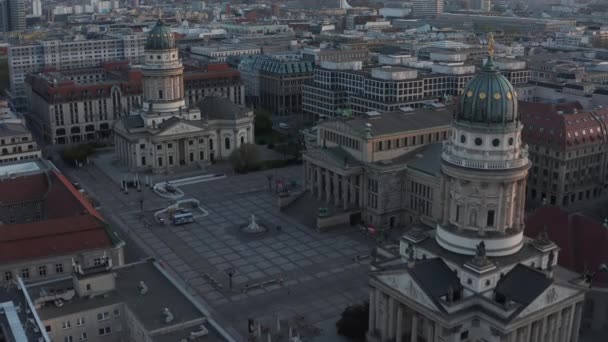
(306, 274)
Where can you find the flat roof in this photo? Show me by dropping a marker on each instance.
(399, 121)
(14, 321)
(20, 168)
(148, 308)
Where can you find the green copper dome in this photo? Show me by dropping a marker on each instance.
(160, 37)
(488, 98)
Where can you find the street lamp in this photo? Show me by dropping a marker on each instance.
(230, 272)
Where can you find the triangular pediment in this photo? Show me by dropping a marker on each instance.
(408, 287)
(180, 127)
(553, 294)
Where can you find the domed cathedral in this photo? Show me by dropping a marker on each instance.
(484, 167)
(476, 277)
(165, 133)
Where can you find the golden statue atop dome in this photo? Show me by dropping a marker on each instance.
(491, 44)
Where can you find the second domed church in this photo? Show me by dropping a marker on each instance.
(165, 133)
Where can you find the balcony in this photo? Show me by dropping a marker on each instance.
(483, 164)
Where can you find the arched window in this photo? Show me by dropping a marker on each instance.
(227, 143)
(242, 140)
(473, 218)
(211, 144)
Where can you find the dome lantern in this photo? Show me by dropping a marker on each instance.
(160, 37)
(488, 98)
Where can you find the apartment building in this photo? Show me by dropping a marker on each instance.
(216, 79)
(569, 152)
(276, 82)
(137, 302)
(340, 88)
(221, 52)
(78, 105)
(348, 87)
(40, 56)
(16, 142)
(427, 8)
(47, 224)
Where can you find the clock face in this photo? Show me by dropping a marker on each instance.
(469, 93)
(509, 95)
(482, 95)
(497, 96)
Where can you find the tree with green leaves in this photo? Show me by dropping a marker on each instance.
(262, 122)
(245, 158)
(354, 322)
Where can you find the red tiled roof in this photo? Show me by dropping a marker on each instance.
(76, 195)
(23, 189)
(543, 125)
(583, 242)
(52, 237)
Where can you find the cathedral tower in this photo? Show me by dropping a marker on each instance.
(163, 72)
(485, 168)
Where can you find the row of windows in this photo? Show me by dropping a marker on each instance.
(83, 335)
(478, 141)
(341, 140)
(14, 140)
(25, 272)
(12, 159)
(389, 144)
(473, 217)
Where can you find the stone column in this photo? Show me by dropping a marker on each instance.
(305, 181)
(345, 192)
(533, 331)
(361, 191)
(519, 206)
(437, 332)
(319, 182)
(391, 317)
(446, 200)
(399, 328)
(377, 306)
(576, 324)
(528, 332)
(543, 329)
(352, 189)
(372, 312)
(557, 326)
(550, 327)
(336, 190)
(414, 335)
(568, 324)
(499, 218)
(429, 330)
(327, 187)
(384, 318)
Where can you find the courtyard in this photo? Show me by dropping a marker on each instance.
(292, 273)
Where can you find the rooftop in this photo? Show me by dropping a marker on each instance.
(17, 321)
(147, 308)
(61, 222)
(581, 239)
(401, 121)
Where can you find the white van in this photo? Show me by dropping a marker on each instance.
(283, 125)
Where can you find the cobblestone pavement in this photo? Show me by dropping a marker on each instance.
(306, 273)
